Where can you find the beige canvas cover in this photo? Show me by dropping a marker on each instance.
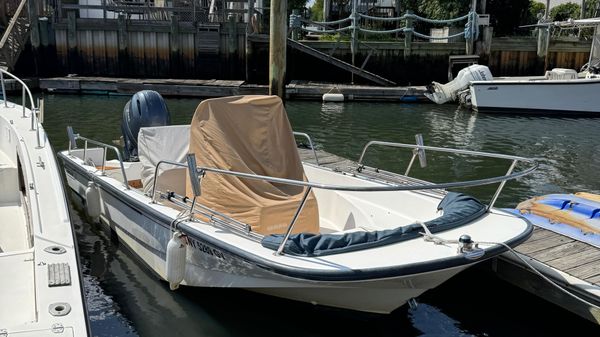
(164, 143)
(251, 134)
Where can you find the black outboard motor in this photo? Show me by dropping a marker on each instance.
(145, 108)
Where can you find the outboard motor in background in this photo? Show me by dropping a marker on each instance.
(145, 108)
(442, 93)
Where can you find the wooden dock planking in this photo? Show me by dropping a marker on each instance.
(575, 260)
(586, 271)
(220, 88)
(562, 253)
(595, 279)
(556, 252)
(543, 244)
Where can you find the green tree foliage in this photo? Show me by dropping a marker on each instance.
(565, 11)
(412, 5)
(535, 9)
(316, 11)
(506, 15)
(443, 9)
(590, 8)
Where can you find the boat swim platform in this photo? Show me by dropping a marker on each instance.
(219, 88)
(573, 264)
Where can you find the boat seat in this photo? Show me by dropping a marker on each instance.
(163, 143)
(251, 134)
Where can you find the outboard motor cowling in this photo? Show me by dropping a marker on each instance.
(442, 93)
(145, 108)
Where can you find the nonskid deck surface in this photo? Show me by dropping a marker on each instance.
(17, 302)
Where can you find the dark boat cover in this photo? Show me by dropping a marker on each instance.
(459, 209)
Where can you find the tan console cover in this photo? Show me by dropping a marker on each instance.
(251, 134)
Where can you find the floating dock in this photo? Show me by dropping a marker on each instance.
(572, 264)
(219, 88)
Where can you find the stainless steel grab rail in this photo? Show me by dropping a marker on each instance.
(421, 148)
(73, 143)
(441, 149)
(382, 188)
(26, 93)
(310, 143)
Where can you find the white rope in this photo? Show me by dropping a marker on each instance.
(556, 285)
(183, 214)
(427, 236)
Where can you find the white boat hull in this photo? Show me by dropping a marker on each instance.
(579, 96)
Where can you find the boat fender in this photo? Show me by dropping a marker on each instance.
(333, 97)
(92, 201)
(176, 253)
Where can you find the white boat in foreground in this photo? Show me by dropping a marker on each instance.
(226, 202)
(559, 91)
(40, 283)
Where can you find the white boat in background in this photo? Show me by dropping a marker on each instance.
(226, 202)
(559, 91)
(566, 94)
(41, 292)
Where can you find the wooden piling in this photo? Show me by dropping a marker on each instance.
(408, 36)
(277, 47)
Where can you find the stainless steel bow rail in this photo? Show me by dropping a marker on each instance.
(197, 175)
(37, 111)
(419, 150)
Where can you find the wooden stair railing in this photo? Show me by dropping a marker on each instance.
(16, 34)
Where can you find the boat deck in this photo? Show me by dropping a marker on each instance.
(573, 264)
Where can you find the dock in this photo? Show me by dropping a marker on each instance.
(572, 264)
(219, 88)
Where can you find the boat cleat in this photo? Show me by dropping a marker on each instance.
(470, 248)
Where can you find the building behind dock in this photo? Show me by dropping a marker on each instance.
(204, 39)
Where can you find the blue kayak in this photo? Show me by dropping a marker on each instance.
(574, 215)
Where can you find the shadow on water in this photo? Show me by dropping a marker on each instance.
(125, 298)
